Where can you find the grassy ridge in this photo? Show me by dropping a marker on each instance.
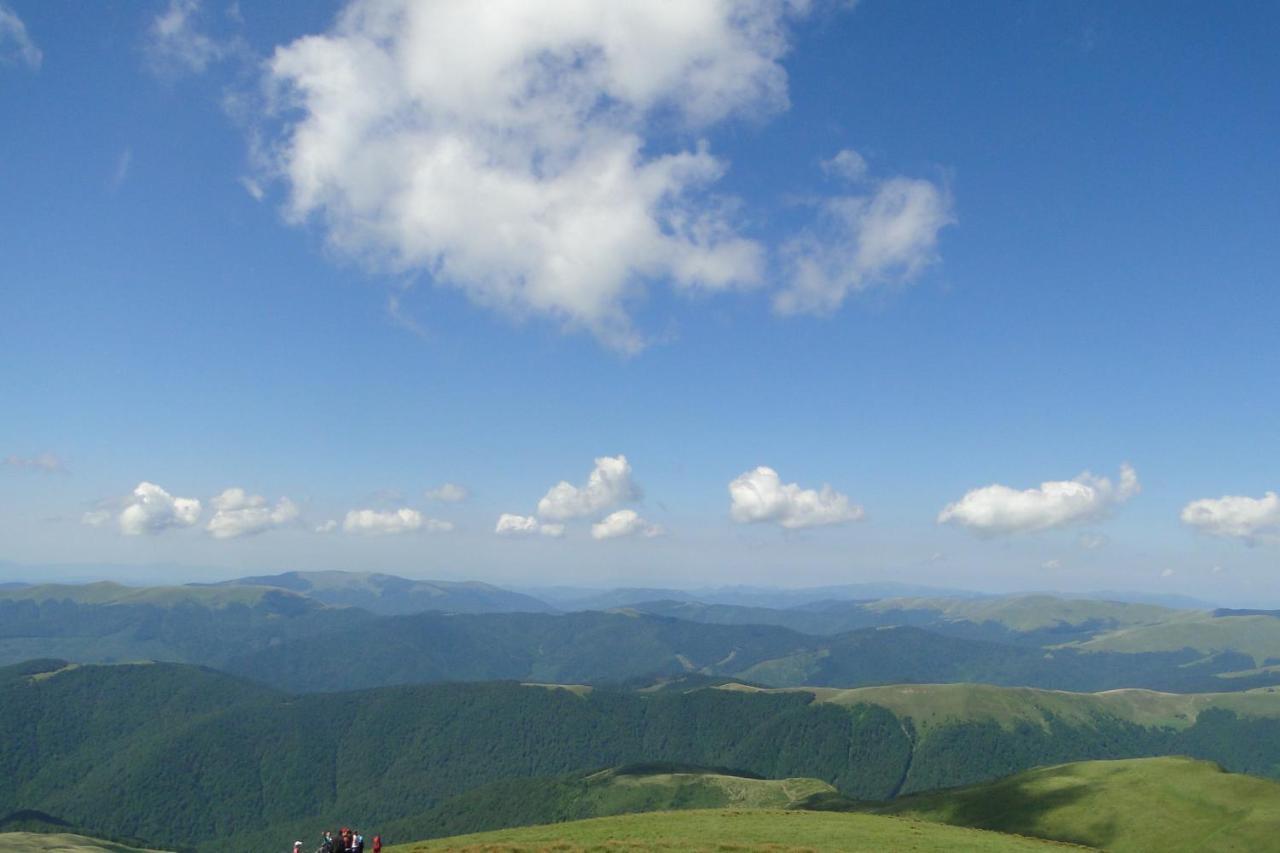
(1256, 636)
(31, 842)
(932, 705)
(625, 790)
(739, 830)
(1166, 804)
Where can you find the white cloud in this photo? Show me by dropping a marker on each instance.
(760, 495)
(624, 522)
(1092, 541)
(847, 164)
(608, 485)
(96, 517)
(327, 527)
(997, 509)
(1251, 520)
(1051, 565)
(237, 513)
(889, 234)
(449, 493)
(150, 509)
(508, 148)
(48, 463)
(16, 46)
(510, 524)
(403, 520)
(176, 44)
(1168, 573)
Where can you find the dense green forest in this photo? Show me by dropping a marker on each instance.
(281, 631)
(603, 648)
(182, 756)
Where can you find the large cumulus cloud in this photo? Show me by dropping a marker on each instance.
(998, 509)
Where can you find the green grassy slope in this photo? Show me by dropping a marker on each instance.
(1254, 635)
(624, 790)
(1165, 804)
(31, 842)
(739, 830)
(1030, 612)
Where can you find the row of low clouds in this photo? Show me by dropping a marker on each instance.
(151, 509)
(757, 496)
(552, 159)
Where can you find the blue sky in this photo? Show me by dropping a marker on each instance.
(497, 251)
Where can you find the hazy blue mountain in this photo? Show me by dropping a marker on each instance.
(109, 622)
(583, 598)
(392, 595)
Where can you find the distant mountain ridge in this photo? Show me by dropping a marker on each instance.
(391, 595)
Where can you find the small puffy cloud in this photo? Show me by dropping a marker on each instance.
(327, 527)
(624, 522)
(761, 496)
(449, 493)
(150, 509)
(887, 234)
(510, 524)
(1051, 565)
(47, 463)
(16, 46)
(847, 164)
(1250, 520)
(996, 509)
(237, 513)
(511, 151)
(1168, 573)
(608, 485)
(381, 522)
(176, 42)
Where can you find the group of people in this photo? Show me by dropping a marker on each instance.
(343, 841)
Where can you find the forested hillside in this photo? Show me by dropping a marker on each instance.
(112, 750)
(603, 648)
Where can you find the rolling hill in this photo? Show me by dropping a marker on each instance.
(743, 830)
(1166, 804)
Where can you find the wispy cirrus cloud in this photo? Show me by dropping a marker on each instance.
(886, 232)
(46, 463)
(16, 44)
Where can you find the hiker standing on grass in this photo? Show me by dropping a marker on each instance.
(377, 844)
(357, 843)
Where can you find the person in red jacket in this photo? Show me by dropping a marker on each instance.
(377, 844)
